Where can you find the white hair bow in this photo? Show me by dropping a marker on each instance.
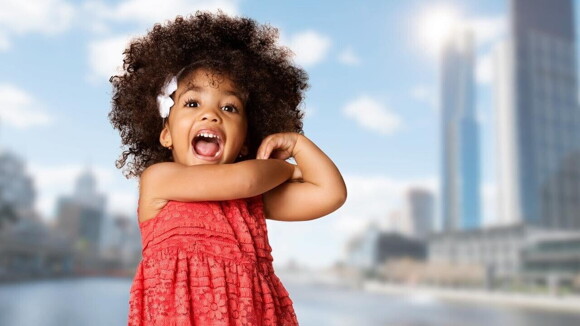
(164, 101)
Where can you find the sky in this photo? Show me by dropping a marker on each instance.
(371, 106)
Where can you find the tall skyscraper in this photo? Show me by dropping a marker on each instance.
(539, 116)
(16, 186)
(460, 141)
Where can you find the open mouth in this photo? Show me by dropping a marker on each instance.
(207, 145)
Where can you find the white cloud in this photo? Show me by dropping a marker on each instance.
(426, 95)
(4, 42)
(372, 115)
(310, 47)
(349, 57)
(33, 16)
(106, 57)
(154, 11)
(20, 109)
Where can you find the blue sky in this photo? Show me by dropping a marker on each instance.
(371, 105)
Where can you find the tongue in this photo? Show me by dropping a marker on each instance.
(206, 148)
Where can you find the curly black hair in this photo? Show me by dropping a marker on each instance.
(237, 46)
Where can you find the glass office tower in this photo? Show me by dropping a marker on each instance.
(539, 116)
(460, 134)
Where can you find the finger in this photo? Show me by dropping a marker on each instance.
(274, 144)
(270, 148)
(260, 151)
(265, 149)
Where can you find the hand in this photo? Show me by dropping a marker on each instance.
(278, 146)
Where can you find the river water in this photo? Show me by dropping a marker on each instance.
(103, 301)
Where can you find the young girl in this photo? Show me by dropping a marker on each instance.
(207, 108)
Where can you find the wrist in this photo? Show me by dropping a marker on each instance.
(298, 145)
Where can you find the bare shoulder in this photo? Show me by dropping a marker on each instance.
(158, 171)
(149, 203)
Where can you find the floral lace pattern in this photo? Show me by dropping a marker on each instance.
(208, 263)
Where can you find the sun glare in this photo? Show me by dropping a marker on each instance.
(435, 24)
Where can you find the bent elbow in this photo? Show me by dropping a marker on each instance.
(340, 198)
(336, 199)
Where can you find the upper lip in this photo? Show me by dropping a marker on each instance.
(210, 131)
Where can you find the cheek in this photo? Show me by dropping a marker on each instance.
(180, 130)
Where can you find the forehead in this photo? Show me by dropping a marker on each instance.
(205, 78)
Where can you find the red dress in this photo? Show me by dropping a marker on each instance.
(208, 263)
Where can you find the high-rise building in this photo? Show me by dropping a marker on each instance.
(538, 116)
(16, 186)
(460, 144)
(421, 212)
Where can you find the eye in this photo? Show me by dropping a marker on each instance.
(230, 108)
(191, 103)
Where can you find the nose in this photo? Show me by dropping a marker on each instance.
(210, 115)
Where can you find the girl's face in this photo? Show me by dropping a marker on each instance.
(207, 123)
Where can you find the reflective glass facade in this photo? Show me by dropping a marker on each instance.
(460, 135)
(547, 114)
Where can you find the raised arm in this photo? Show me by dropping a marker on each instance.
(322, 189)
(174, 181)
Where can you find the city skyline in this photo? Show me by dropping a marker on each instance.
(371, 106)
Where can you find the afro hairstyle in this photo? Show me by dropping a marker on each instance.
(238, 47)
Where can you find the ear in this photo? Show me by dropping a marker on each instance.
(165, 137)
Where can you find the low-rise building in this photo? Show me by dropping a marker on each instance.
(516, 253)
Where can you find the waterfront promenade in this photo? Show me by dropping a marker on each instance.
(564, 303)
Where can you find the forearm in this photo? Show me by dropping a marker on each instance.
(173, 181)
(263, 175)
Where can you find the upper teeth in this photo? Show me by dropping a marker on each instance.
(207, 135)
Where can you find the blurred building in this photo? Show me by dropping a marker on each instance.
(80, 217)
(374, 246)
(28, 247)
(553, 257)
(121, 242)
(362, 250)
(395, 246)
(508, 254)
(536, 99)
(421, 211)
(399, 221)
(460, 140)
(495, 249)
(16, 187)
